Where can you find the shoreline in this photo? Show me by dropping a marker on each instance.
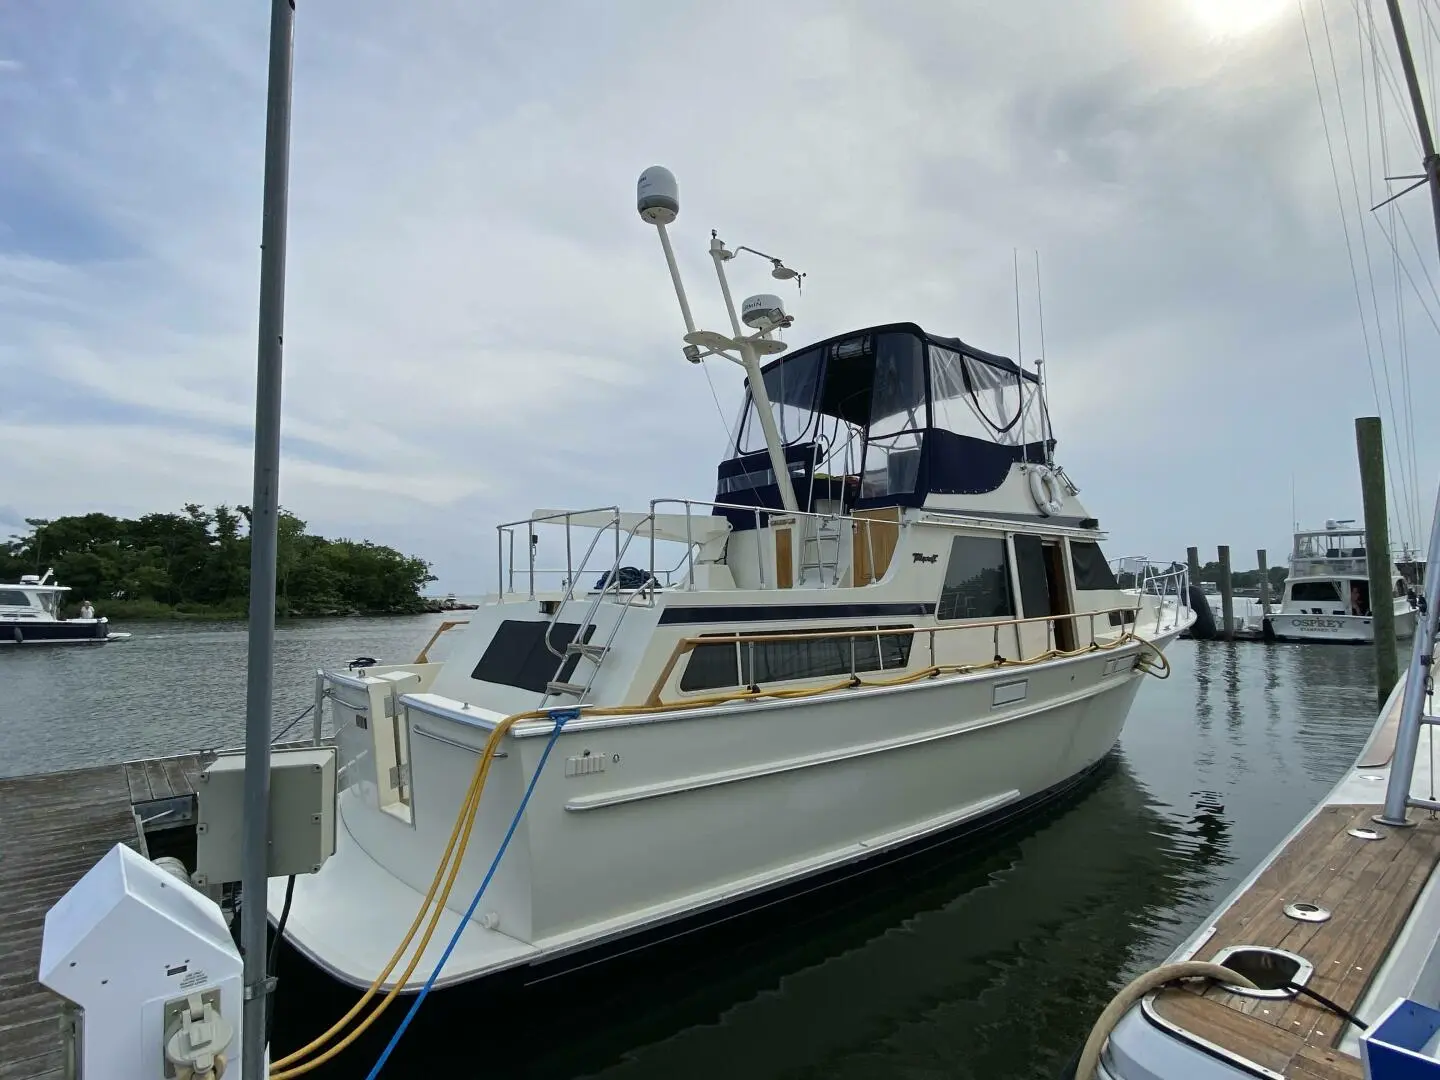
(150, 614)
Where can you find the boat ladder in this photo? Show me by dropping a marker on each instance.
(580, 646)
(821, 537)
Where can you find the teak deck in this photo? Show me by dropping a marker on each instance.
(1369, 887)
(53, 828)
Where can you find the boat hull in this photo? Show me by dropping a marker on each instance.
(591, 977)
(1336, 629)
(60, 632)
(681, 854)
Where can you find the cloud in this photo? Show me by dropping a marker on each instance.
(477, 323)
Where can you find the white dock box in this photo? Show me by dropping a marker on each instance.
(302, 814)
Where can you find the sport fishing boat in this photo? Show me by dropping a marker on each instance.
(892, 626)
(1327, 592)
(30, 614)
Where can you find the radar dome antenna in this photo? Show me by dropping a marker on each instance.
(657, 199)
(765, 313)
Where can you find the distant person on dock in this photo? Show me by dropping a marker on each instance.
(86, 610)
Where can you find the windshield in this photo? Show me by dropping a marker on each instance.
(793, 387)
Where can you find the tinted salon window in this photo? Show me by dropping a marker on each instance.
(977, 580)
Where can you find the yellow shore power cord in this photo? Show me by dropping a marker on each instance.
(294, 1063)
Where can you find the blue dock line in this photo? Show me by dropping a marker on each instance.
(560, 717)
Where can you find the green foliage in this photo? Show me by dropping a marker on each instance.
(198, 563)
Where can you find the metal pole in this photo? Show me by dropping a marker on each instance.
(318, 726)
(751, 362)
(264, 538)
(675, 279)
(1417, 103)
(1370, 448)
(1397, 792)
(1407, 739)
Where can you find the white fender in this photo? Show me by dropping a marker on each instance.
(1045, 490)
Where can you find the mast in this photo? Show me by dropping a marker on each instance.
(1417, 103)
(1417, 679)
(264, 536)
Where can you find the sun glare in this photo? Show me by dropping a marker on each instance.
(1234, 18)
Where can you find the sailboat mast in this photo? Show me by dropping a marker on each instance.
(1418, 676)
(1417, 103)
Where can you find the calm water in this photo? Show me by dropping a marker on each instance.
(991, 964)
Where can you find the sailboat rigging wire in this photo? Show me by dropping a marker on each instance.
(1393, 482)
(1344, 218)
(1339, 199)
(1411, 490)
(1382, 58)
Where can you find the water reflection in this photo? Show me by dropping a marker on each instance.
(944, 972)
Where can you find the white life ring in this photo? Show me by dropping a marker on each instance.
(1045, 490)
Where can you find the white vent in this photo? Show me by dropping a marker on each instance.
(584, 764)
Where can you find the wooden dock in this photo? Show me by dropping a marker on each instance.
(55, 828)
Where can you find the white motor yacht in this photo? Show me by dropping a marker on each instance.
(891, 626)
(1327, 594)
(30, 615)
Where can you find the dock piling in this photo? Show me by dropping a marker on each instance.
(1370, 448)
(1227, 595)
(1260, 557)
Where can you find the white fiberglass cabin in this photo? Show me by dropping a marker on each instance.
(905, 632)
(1327, 594)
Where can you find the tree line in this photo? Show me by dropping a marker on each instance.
(198, 562)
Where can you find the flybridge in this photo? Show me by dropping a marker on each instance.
(875, 418)
(886, 416)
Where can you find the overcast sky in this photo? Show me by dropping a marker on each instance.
(478, 324)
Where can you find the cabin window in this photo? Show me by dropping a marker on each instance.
(517, 656)
(1092, 572)
(724, 665)
(977, 580)
(10, 598)
(1315, 592)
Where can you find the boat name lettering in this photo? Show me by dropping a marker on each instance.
(1317, 624)
(918, 557)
